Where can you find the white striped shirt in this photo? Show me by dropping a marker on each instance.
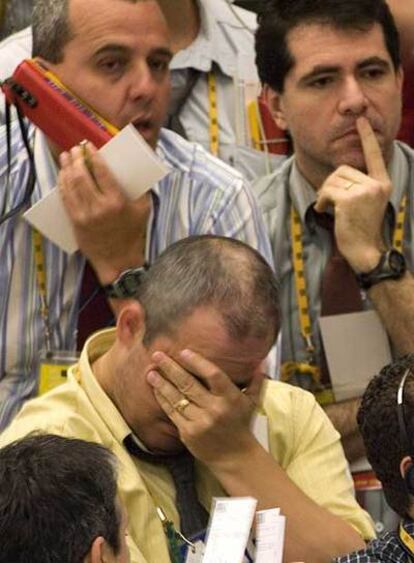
(201, 195)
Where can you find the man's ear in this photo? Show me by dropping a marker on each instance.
(405, 464)
(130, 324)
(99, 552)
(274, 102)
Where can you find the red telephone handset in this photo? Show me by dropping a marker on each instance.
(52, 107)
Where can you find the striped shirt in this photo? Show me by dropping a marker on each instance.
(201, 195)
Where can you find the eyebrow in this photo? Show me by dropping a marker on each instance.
(332, 69)
(122, 50)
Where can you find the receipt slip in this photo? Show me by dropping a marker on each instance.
(136, 168)
(229, 530)
(270, 536)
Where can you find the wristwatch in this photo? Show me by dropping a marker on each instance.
(391, 266)
(126, 285)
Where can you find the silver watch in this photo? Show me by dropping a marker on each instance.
(126, 285)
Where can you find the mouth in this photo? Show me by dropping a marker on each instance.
(144, 126)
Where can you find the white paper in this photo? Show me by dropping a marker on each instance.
(356, 347)
(229, 529)
(135, 166)
(270, 536)
(260, 430)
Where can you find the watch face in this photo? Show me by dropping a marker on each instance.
(396, 262)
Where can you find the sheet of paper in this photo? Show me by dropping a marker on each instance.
(228, 534)
(270, 536)
(260, 430)
(135, 166)
(356, 348)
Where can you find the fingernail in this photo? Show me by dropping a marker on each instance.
(186, 353)
(158, 356)
(153, 378)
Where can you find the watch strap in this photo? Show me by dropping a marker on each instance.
(391, 266)
(126, 285)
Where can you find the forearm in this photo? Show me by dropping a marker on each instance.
(312, 534)
(344, 417)
(394, 302)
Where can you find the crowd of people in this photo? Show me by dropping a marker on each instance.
(246, 285)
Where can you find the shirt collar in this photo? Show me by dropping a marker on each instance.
(46, 167)
(96, 346)
(399, 172)
(207, 48)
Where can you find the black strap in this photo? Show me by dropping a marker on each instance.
(31, 181)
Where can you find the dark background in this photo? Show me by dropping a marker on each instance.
(248, 4)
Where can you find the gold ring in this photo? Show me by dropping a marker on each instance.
(181, 405)
(349, 186)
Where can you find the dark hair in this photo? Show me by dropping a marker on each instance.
(278, 17)
(378, 423)
(56, 496)
(213, 271)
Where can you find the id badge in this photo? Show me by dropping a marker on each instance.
(193, 553)
(53, 368)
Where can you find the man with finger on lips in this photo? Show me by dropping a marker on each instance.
(339, 212)
(178, 380)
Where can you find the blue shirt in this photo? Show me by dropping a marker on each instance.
(201, 195)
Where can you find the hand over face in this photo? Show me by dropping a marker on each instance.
(359, 202)
(109, 228)
(211, 413)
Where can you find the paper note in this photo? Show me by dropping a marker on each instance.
(270, 536)
(229, 529)
(356, 347)
(135, 166)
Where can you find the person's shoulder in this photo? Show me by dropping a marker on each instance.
(379, 550)
(227, 14)
(13, 49)
(269, 188)
(193, 160)
(58, 412)
(283, 397)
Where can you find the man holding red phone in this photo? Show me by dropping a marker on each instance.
(113, 55)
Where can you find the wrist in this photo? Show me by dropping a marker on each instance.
(366, 261)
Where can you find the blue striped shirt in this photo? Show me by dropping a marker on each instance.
(201, 195)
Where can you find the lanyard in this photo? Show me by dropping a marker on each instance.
(309, 367)
(40, 266)
(213, 113)
(407, 540)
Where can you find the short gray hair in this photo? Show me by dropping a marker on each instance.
(215, 271)
(51, 32)
(51, 29)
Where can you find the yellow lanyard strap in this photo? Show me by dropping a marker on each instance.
(213, 113)
(406, 539)
(41, 283)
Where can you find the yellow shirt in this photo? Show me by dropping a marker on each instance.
(301, 439)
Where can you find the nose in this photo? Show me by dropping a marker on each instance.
(143, 83)
(352, 97)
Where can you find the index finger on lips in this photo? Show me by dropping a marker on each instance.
(185, 381)
(374, 159)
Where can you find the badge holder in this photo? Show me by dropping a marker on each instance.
(53, 368)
